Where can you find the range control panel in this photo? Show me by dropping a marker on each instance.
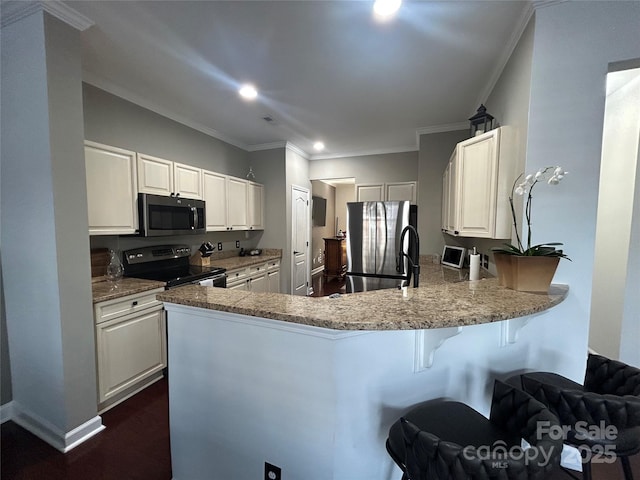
(153, 254)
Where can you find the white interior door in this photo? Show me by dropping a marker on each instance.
(299, 240)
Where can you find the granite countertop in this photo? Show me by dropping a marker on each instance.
(442, 300)
(231, 263)
(103, 290)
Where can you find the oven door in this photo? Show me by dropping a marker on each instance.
(219, 281)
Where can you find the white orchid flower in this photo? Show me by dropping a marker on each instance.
(554, 180)
(519, 190)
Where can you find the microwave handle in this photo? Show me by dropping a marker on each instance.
(195, 218)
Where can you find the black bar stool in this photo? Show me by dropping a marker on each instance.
(601, 417)
(447, 440)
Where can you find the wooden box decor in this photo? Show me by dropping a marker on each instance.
(526, 273)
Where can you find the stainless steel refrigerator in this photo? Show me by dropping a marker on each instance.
(373, 244)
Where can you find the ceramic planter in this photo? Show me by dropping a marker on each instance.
(525, 274)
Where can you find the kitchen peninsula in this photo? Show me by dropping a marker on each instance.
(312, 385)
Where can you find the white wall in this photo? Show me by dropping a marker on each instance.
(612, 304)
(45, 243)
(573, 44)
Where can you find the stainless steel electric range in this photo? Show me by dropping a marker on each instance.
(170, 264)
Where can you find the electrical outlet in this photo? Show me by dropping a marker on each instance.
(271, 472)
(219, 245)
(237, 243)
(485, 261)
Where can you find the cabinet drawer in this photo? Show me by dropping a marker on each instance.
(257, 270)
(111, 309)
(273, 264)
(234, 276)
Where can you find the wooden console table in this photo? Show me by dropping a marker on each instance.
(335, 257)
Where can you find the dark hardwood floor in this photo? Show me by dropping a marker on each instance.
(135, 446)
(323, 286)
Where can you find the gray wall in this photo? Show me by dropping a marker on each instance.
(114, 121)
(435, 151)
(389, 167)
(328, 192)
(509, 104)
(45, 242)
(269, 169)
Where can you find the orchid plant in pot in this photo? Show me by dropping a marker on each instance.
(531, 268)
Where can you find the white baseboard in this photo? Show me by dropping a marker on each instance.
(54, 436)
(6, 412)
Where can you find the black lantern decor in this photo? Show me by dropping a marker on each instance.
(481, 122)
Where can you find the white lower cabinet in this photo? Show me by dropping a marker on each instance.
(263, 277)
(131, 348)
(273, 281)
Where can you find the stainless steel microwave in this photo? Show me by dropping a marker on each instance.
(162, 216)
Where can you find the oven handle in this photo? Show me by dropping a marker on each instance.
(212, 280)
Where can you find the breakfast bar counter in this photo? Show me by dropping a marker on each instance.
(312, 385)
(441, 302)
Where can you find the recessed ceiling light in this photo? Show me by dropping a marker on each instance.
(318, 146)
(385, 9)
(248, 91)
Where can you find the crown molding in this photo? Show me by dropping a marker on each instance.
(266, 146)
(445, 127)
(144, 103)
(296, 149)
(13, 11)
(511, 45)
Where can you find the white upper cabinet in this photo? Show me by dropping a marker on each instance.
(237, 201)
(255, 206)
(187, 181)
(480, 182)
(232, 203)
(164, 177)
(401, 191)
(214, 191)
(155, 175)
(370, 192)
(116, 176)
(448, 196)
(386, 192)
(111, 189)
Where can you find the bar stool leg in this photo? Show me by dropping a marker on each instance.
(586, 465)
(626, 467)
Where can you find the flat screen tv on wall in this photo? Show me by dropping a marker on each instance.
(319, 211)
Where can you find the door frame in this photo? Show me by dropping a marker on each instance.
(307, 192)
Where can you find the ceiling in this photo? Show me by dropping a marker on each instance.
(325, 70)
